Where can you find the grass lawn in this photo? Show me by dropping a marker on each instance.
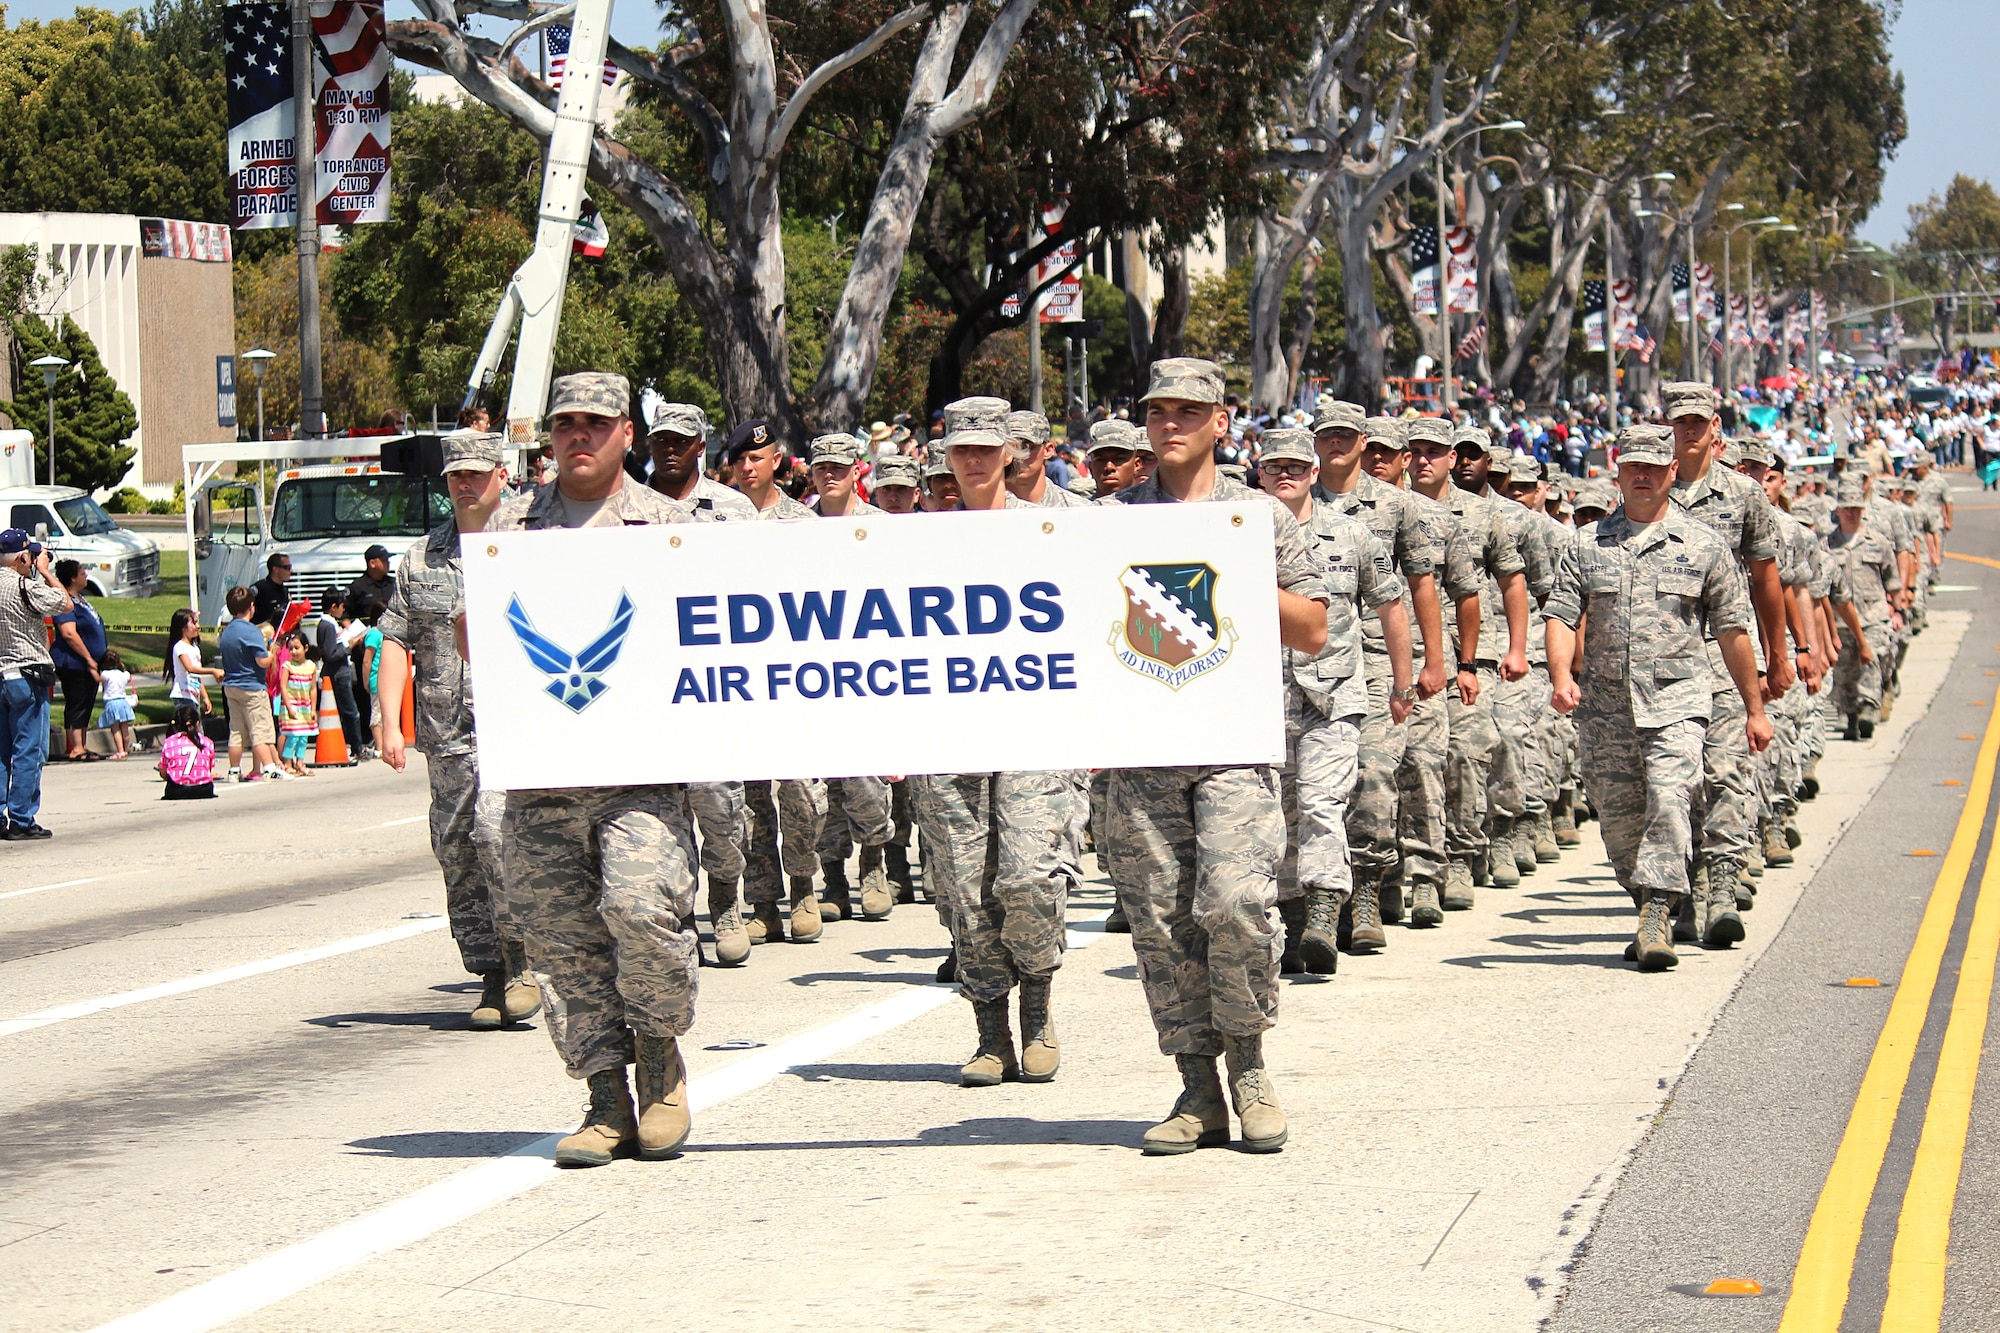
(150, 612)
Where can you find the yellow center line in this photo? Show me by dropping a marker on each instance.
(1916, 1266)
(1973, 559)
(1826, 1259)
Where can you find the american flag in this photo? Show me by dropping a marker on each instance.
(1424, 268)
(558, 37)
(257, 66)
(1643, 342)
(1469, 345)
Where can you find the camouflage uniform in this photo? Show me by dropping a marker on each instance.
(1733, 507)
(1373, 833)
(1420, 780)
(1648, 590)
(1519, 705)
(1195, 852)
(428, 597)
(602, 877)
(1481, 777)
(1868, 562)
(857, 814)
(800, 805)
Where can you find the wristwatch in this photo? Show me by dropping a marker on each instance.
(1408, 694)
(1473, 667)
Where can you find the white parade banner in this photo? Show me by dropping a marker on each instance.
(882, 645)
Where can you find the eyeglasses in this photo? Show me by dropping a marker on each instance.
(1285, 469)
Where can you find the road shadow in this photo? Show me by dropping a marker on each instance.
(890, 955)
(885, 978)
(995, 1131)
(1535, 916)
(437, 1020)
(1129, 972)
(1486, 960)
(925, 1073)
(446, 1143)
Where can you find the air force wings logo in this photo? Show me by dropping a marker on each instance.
(575, 680)
(1170, 631)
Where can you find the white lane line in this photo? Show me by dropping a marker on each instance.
(202, 981)
(394, 823)
(44, 888)
(300, 1267)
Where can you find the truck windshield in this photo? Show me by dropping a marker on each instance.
(83, 517)
(385, 504)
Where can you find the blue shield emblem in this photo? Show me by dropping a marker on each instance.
(575, 678)
(1171, 630)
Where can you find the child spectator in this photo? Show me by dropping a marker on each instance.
(187, 757)
(117, 716)
(371, 667)
(298, 705)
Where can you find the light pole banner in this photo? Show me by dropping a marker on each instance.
(883, 645)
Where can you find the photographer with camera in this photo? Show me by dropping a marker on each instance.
(29, 593)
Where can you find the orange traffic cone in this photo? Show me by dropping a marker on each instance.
(330, 751)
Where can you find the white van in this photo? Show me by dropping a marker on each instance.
(75, 527)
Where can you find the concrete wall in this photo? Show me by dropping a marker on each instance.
(187, 318)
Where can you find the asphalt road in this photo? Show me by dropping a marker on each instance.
(241, 1094)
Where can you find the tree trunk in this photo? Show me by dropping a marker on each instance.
(1303, 324)
(1138, 319)
(1170, 319)
(1276, 246)
(1358, 374)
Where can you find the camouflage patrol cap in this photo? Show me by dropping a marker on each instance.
(473, 451)
(834, 448)
(989, 414)
(1646, 444)
(1336, 414)
(1234, 471)
(597, 392)
(1470, 437)
(1188, 378)
(1114, 435)
(1386, 431)
(1030, 426)
(937, 466)
(678, 419)
(1524, 469)
(969, 438)
(897, 470)
(1688, 398)
(1746, 449)
(1902, 482)
(1594, 495)
(1430, 430)
(1921, 458)
(1287, 443)
(1850, 491)
(1499, 453)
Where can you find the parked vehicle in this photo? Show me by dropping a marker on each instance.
(75, 527)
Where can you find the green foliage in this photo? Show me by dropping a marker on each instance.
(125, 500)
(92, 413)
(355, 383)
(110, 113)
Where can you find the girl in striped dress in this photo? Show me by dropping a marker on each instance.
(298, 705)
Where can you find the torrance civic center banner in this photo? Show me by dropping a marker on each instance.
(351, 79)
(884, 645)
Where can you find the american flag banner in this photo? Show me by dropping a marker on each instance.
(1642, 343)
(1739, 320)
(1789, 328)
(351, 85)
(1462, 268)
(1625, 313)
(1468, 346)
(1819, 315)
(1593, 316)
(1424, 268)
(1760, 321)
(351, 77)
(557, 36)
(1683, 292)
(257, 69)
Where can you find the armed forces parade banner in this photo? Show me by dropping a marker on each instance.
(883, 645)
(351, 82)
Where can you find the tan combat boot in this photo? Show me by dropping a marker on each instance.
(1292, 911)
(1200, 1118)
(1041, 1056)
(1117, 923)
(1256, 1101)
(1723, 926)
(993, 1063)
(732, 941)
(837, 903)
(1543, 836)
(608, 1130)
(1505, 870)
(1777, 848)
(1389, 897)
(878, 895)
(1319, 942)
(806, 927)
(1653, 950)
(524, 997)
(490, 1014)
(897, 858)
(1457, 895)
(1562, 822)
(1364, 932)
(664, 1118)
(1523, 838)
(766, 924)
(1425, 909)
(1687, 920)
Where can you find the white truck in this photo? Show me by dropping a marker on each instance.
(321, 502)
(74, 527)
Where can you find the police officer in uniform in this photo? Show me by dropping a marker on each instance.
(427, 597)
(602, 878)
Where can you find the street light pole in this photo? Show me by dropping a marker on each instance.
(1610, 326)
(305, 134)
(1443, 296)
(50, 366)
(257, 356)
